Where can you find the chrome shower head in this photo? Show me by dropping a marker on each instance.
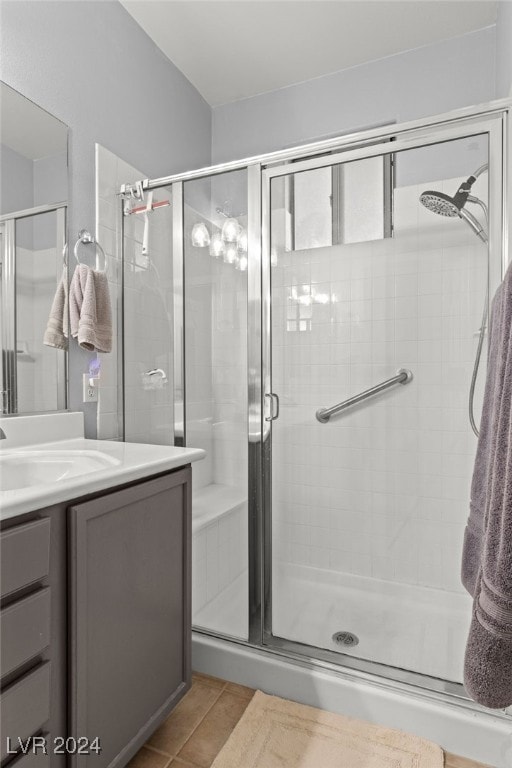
(439, 203)
(444, 205)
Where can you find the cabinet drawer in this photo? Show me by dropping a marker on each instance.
(24, 555)
(38, 760)
(25, 629)
(25, 706)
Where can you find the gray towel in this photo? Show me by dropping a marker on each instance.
(487, 556)
(57, 329)
(89, 309)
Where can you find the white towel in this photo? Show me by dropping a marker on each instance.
(57, 329)
(89, 309)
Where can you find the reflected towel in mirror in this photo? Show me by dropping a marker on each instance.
(57, 329)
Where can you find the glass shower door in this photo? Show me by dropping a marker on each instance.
(33, 374)
(215, 318)
(368, 507)
(185, 368)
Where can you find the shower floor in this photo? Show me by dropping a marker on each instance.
(227, 613)
(414, 628)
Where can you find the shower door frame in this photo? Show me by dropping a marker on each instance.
(496, 129)
(494, 118)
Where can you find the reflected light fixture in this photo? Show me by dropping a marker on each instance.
(307, 295)
(200, 235)
(242, 241)
(230, 230)
(231, 253)
(217, 246)
(241, 264)
(228, 241)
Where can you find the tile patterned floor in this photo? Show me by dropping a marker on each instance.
(195, 732)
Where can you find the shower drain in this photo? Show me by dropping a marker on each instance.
(345, 638)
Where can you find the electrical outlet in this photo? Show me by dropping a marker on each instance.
(90, 392)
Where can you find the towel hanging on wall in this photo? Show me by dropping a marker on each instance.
(90, 314)
(487, 556)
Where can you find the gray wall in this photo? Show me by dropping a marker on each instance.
(50, 186)
(88, 63)
(50, 179)
(16, 181)
(414, 84)
(504, 49)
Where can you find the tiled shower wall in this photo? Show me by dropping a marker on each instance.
(148, 302)
(111, 172)
(216, 417)
(216, 363)
(148, 327)
(383, 490)
(199, 339)
(229, 376)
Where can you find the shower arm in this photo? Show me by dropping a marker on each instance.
(480, 170)
(469, 218)
(476, 201)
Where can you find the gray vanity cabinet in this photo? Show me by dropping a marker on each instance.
(129, 614)
(95, 620)
(33, 635)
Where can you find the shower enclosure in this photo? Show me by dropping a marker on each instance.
(303, 279)
(33, 376)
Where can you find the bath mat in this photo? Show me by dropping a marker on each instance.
(275, 733)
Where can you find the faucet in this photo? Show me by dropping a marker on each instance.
(3, 436)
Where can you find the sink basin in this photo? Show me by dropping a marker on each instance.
(29, 468)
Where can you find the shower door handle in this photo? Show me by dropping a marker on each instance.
(274, 412)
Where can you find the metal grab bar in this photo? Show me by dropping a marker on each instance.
(403, 376)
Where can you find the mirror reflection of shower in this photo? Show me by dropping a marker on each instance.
(444, 205)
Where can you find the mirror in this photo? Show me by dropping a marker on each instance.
(33, 202)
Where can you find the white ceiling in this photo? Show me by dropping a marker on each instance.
(28, 129)
(232, 49)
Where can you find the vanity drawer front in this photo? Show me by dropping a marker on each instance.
(31, 760)
(25, 628)
(25, 706)
(24, 555)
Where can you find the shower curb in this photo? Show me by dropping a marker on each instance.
(477, 735)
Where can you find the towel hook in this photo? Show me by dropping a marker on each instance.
(86, 238)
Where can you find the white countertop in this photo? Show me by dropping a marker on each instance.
(129, 462)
